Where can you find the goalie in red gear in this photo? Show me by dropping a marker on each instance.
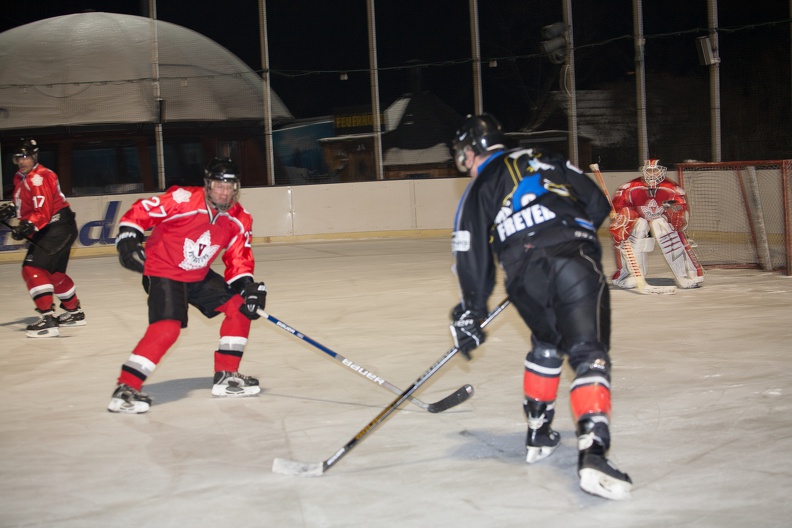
(191, 227)
(48, 223)
(652, 209)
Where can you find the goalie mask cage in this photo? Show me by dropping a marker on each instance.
(740, 213)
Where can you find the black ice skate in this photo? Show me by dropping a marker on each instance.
(129, 401)
(541, 440)
(47, 326)
(234, 385)
(598, 475)
(74, 317)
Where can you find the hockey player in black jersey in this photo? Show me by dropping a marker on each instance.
(539, 215)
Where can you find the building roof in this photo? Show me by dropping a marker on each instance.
(99, 68)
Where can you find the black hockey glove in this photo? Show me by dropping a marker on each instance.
(255, 295)
(129, 245)
(466, 330)
(23, 230)
(7, 210)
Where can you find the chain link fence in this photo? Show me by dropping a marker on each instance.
(319, 66)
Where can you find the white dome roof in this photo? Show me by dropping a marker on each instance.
(94, 68)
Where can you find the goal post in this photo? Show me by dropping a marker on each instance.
(740, 213)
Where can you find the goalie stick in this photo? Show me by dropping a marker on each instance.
(452, 400)
(290, 467)
(627, 252)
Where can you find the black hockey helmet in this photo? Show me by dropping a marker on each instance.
(221, 184)
(28, 149)
(481, 133)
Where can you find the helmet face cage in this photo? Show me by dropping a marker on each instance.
(480, 134)
(653, 173)
(28, 149)
(221, 184)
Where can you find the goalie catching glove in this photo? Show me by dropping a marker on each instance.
(23, 230)
(255, 296)
(129, 245)
(466, 329)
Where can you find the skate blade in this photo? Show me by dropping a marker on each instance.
(598, 483)
(535, 454)
(117, 405)
(235, 392)
(48, 332)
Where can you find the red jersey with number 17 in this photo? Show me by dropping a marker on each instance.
(38, 196)
(188, 235)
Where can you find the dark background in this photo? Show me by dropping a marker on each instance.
(425, 45)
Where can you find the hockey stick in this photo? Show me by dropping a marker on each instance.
(9, 226)
(627, 252)
(290, 467)
(461, 394)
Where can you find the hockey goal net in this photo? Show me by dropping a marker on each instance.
(740, 213)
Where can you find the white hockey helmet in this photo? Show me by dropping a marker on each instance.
(653, 173)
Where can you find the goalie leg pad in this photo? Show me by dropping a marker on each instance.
(678, 254)
(641, 245)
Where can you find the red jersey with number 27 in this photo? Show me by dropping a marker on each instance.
(188, 235)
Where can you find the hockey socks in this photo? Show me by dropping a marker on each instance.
(159, 337)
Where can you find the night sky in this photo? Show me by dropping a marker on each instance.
(306, 35)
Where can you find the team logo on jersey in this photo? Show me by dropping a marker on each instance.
(537, 165)
(37, 180)
(651, 210)
(199, 253)
(181, 196)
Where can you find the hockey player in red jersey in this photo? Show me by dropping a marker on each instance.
(539, 215)
(191, 227)
(48, 223)
(653, 204)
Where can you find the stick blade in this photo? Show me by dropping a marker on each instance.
(658, 290)
(462, 394)
(283, 466)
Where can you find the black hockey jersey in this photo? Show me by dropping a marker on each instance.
(521, 199)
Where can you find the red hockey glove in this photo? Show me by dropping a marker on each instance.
(676, 214)
(623, 224)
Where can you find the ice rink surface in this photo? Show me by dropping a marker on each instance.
(702, 406)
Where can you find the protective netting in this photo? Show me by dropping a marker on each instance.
(101, 84)
(741, 213)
